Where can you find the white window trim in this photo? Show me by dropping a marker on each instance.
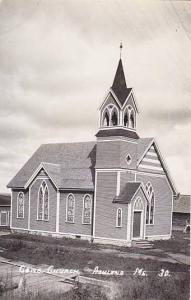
(66, 220)
(129, 113)
(85, 223)
(6, 213)
(23, 206)
(46, 220)
(119, 208)
(110, 111)
(149, 196)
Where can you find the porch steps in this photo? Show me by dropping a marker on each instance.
(142, 244)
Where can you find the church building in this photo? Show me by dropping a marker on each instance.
(115, 190)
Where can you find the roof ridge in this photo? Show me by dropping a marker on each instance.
(67, 143)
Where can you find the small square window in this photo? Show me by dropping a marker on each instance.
(128, 159)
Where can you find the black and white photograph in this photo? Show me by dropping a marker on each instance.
(95, 149)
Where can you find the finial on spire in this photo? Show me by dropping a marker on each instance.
(121, 47)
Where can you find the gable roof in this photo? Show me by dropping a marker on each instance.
(128, 192)
(5, 199)
(119, 84)
(182, 204)
(57, 158)
(143, 147)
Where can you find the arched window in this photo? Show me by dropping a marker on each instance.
(129, 117)
(150, 205)
(114, 117)
(119, 217)
(20, 206)
(70, 207)
(105, 118)
(86, 216)
(43, 202)
(138, 204)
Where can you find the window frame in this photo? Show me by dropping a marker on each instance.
(151, 195)
(83, 209)
(129, 110)
(66, 219)
(43, 194)
(117, 214)
(23, 215)
(109, 111)
(7, 220)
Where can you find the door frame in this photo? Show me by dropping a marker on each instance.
(142, 227)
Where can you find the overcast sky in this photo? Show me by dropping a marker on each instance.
(58, 58)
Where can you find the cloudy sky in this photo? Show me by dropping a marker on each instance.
(58, 58)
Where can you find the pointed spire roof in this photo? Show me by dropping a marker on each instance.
(119, 86)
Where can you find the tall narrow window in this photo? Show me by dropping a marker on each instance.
(126, 120)
(20, 206)
(119, 218)
(114, 118)
(106, 118)
(86, 217)
(46, 203)
(129, 117)
(70, 207)
(43, 202)
(150, 205)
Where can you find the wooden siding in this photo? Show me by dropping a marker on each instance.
(16, 222)
(76, 228)
(35, 224)
(125, 149)
(112, 154)
(125, 177)
(108, 155)
(163, 204)
(105, 220)
(151, 162)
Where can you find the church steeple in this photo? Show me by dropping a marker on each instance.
(118, 111)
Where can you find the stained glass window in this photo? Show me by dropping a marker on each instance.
(46, 204)
(150, 193)
(20, 205)
(70, 208)
(87, 210)
(43, 202)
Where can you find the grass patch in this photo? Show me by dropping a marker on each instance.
(179, 243)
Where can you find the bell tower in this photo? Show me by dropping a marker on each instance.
(118, 111)
(117, 136)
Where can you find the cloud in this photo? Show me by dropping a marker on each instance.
(58, 58)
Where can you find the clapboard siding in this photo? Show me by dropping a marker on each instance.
(35, 224)
(125, 149)
(151, 162)
(108, 155)
(77, 227)
(105, 220)
(163, 205)
(125, 177)
(20, 223)
(112, 154)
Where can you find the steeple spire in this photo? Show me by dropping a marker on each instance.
(119, 85)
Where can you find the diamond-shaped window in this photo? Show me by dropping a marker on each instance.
(128, 159)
